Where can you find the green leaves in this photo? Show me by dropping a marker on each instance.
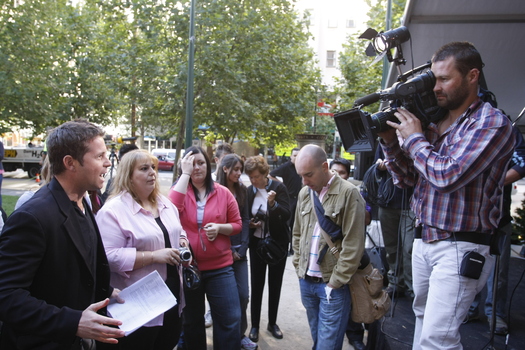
(119, 61)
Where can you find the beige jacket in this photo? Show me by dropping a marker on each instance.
(346, 207)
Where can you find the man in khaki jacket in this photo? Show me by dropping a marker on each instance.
(323, 276)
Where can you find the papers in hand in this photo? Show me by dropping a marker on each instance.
(145, 299)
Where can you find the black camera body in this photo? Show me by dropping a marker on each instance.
(416, 95)
(260, 215)
(358, 128)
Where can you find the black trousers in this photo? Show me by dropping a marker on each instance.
(258, 279)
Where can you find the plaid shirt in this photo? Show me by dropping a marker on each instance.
(459, 176)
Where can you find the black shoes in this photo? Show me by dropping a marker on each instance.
(254, 334)
(358, 344)
(275, 330)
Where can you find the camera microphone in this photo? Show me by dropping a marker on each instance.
(367, 100)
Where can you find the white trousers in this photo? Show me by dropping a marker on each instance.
(442, 295)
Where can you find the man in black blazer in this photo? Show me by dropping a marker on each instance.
(54, 274)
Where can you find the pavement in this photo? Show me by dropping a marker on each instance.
(396, 330)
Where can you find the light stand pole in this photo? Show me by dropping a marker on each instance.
(189, 93)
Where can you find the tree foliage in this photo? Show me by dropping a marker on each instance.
(119, 61)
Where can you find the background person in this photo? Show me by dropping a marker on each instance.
(354, 331)
(127, 147)
(221, 150)
(293, 185)
(270, 197)
(397, 226)
(209, 215)
(458, 168)
(135, 222)
(324, 278)
(515, 172)
(229, 174)
(54, 274)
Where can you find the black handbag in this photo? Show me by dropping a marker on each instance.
(270, 251)
(191, 276)
(268, 248)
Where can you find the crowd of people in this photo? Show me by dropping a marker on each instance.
(68, 251)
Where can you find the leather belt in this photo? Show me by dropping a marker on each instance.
(313, 279)
(471, 237)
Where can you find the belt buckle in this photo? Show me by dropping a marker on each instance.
(315, 279)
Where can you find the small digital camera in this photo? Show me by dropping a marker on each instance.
(185, 254)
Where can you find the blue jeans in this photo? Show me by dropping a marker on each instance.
(220, 289)
(327, 320)
(240, 267)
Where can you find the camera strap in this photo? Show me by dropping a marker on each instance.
(171, 269)
(329, 229)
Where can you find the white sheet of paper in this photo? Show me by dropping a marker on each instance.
(145, 299)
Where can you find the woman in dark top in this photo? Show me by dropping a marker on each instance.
(270, 197)
(229, 174)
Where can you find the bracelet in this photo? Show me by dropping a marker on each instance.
(152, 257)
(143, 259)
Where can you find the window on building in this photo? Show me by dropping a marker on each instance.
(330, 58)
(332, 23)
(350, 23)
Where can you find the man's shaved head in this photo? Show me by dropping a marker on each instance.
(311, 164)
(315, 153)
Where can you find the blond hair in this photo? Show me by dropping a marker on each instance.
(122, 181)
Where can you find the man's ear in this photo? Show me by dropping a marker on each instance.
(473, 75)
(69, 163)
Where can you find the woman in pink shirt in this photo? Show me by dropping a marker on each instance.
(209, 214)
(142, 232)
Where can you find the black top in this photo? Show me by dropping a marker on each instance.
(291, 180)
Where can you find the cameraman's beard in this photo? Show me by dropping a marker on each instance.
(455, 98)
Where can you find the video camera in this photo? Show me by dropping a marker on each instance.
(413, 91)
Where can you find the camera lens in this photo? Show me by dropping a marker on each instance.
(379, 119)
(185, 255)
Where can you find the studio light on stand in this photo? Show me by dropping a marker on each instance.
(382, 42)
